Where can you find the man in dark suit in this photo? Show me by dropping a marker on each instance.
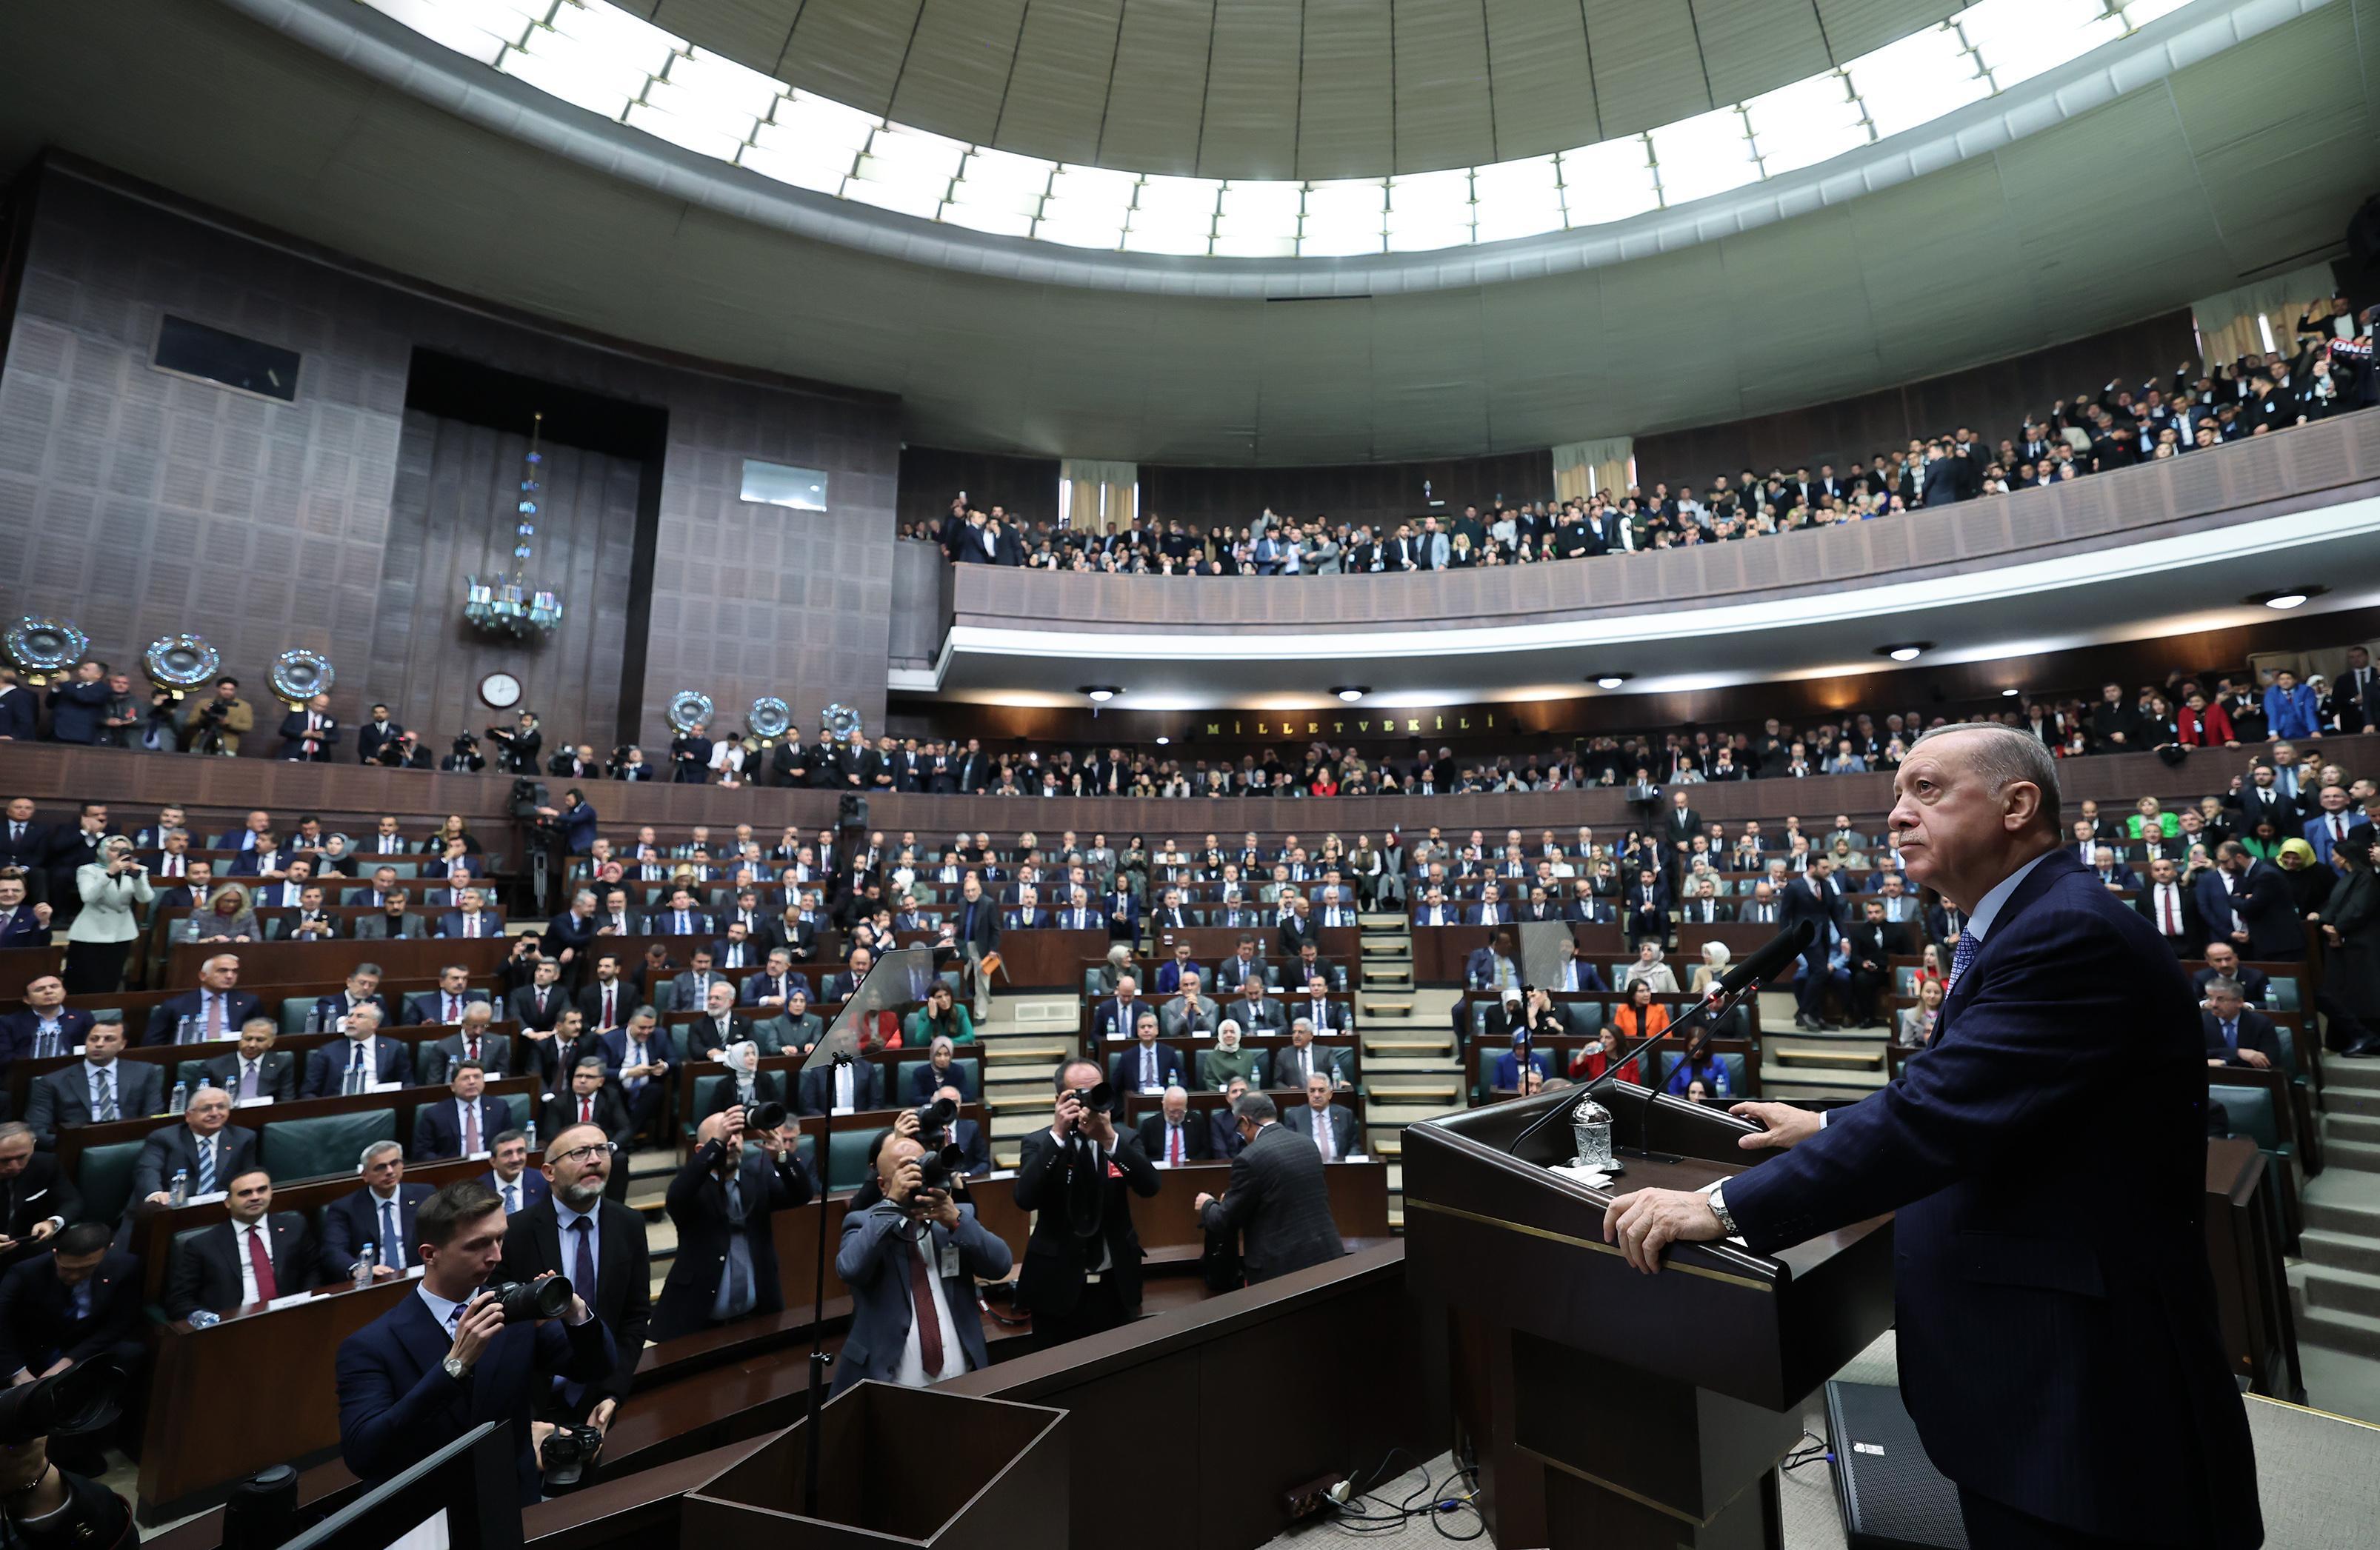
(1143, 1066)
(600, 1243)
(100, 1087)
(308, 735)
(444, 1359)
(885, 1244)
(465, 1123)
(205, 1147)
(1319, 1118)
(79, 1301)
(637, 1060)
(21, 924)
(608, 998)
(2237, 1034)
(2223, 963)
(1875, 942)
(720, 1027)
(1174, 1135)
(21, 709)
(256, 1256)
(726, 1268)
(1278, 1200)
(36, 1198)
(519, 1185)
(216, 1008)
(536, 1005)
(471, 919)
(1123, 916)
(1082, 1263)
(380, 1215)
(977, 919)
(589, 1101)
(2067, 1031)
(1810, 900)
(832, 1088)
(2251, 905)
(46, 1026)
(445, 1004)
(2171, 909)
(470, 1041)
(78, 705)
(25, 841)
(362, 1061)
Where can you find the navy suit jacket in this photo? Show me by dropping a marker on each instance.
(2070, 1050)
(24, 929)
(326, 1066)
(398, 1406)
(533, 1187)
(17, 1030)
(438, 1127)
(352, 1220)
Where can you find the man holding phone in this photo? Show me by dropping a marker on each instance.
(446, 1359)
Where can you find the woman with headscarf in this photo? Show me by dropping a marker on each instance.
(102, 934)
(2349, 920)
(1648, 970)
(2309, 880)
(1714, 966)
(1226, 1062)
(745, 1082)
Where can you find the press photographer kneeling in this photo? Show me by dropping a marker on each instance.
(457, 1351)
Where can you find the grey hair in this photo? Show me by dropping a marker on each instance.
(2224, 985)
(2005, 755)
(1255, 1108)
(378, 1148)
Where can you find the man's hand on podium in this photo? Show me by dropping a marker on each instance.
(1648, 1221)
(1786, 1125)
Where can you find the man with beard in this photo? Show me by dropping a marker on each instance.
(600, 1244)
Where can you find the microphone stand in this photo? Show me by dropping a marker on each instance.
(825, 1154)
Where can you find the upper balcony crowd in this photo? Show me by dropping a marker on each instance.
(2118, 426)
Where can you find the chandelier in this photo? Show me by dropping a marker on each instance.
(513, 605)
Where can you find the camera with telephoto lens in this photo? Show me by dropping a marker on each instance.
(77, 1400)
(1098, 1095)
(465, 744)
(763, 1117)
(527, 1301)
(934, 1119)
(565, 1457)
(937, 1166)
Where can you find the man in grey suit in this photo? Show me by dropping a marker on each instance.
(1255, 1011)
(1190, 1012)
(101, 1087)
(205, 1146)
(1303, 1056)
(1278, 1200)
(391, 923)
(881, 1247)
(470, 1041)
(256, 1069)
(1329, 1128)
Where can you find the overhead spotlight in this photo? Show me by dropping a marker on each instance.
(2286, 597)
(1351, 693)
(1612, 679)
(1161, 741)
(1099, 693)
(2010, 694)
(1907, 651)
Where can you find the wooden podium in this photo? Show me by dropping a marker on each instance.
(1605, 1407)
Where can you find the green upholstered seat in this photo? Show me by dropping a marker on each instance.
(104, 1174)
(324, 1146)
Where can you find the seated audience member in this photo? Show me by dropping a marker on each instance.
(214, 1011)
(1224, 1138)
(794, 1031)
(1174, 1135)
(572, 1229)
(726, 1268)
(1189, 1014)
(939, 1070)
(2223, 963)
(1115, 1017)
(900, 1333)
(362, 1062)
(1302, 1058)
(363, 985)
(98, 1088)
(470, 1041)
(588, 1101)
(394, 921)
(538, 1004)
(1508, 1066)
(1243, 965)
(841, 1087)
(1330, 1127)
(79, 1301)
(41, 1198)
(1230, 1060)
(2236, 1034)
(766, 991)
(1170, 973)
(1700, 1069)
(47, 1026)
(720, 1027)
(378, 1216)
(256, 1256)
(607, 998)
(746, 1087)
(1278, 1199)
(519, 1185)
(1257, 1012)
(636, 1056)
(1592, 1061)
(1916, 1024)
(939, 1018)
(1647, 967)
(1874, 942)
(1147, 1066)
(228, 915)
(21, 925)
(968, 1137)
(445, 1004)
(205, 1149)
(463, 1123)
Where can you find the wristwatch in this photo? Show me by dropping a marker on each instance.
(1718, 1209)
(456, 1368)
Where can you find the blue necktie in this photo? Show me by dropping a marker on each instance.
(1964, 955)
(207, 1166)
(392, 1252)
(2231, 1036)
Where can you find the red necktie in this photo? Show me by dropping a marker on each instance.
(267, 1288)
(587, 1110)
(2337, 829)
(1173, 1145)
(2172, 925)
(453, 1008)
(929, 1328)
(471, 1124)
(609, 1021)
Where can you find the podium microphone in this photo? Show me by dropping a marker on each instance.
(1731, 987)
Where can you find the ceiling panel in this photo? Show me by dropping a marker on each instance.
(1544, 92)
(850, 49)
(1647, 70)
(1057, 94)
(1940, 262)
(1853, 27)
(956, 74)
(1750, 45)
(751, 32)
(1346, 124)
(1159, 89)
(1250, 125)
(1443, 119)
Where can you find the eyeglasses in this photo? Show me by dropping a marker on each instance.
(585, 1154)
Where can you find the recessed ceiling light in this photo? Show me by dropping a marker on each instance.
(1612, 679)
(1163, 741)
(1351, 693)
(1101, 693)
(2009, 694)
(1907, 651)
(2286, 597)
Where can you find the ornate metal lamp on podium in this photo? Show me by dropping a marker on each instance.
(43, 648)
(512, 605)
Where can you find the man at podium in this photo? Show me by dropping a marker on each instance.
(2046, 1154)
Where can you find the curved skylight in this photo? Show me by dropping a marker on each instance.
(612, 63)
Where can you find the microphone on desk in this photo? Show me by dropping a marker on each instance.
(1731, 987)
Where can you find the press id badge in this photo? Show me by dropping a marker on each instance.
(950, 1260)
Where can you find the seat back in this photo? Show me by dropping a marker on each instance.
(322, 1147)
(2250, 1110)
(846, 1155)
(1582, 1017)
(2286, 994)
(104, 1174)
(294, 1010)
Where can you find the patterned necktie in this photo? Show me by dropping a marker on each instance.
(1964, 954)
(207, 1166)
(108, 1109)
(247, 1079)
(470, 1127)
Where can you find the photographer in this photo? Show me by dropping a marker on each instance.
(915, 1249)
(601, 1245)
(450, 1355)
(517, 750)
(405, 751)
(690, 756)
(103, 933)
(576, 818)
(464, 756)
(213, 726)
(1081, 1264)
(726, 1268)
(629, 763)
(157, 731)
